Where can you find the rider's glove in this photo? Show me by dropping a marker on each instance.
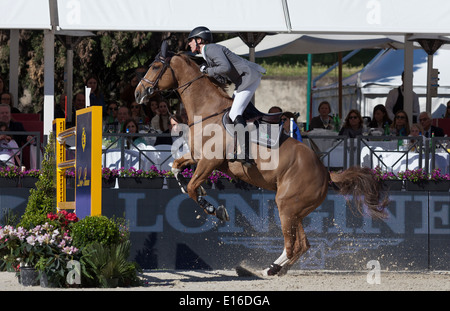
(203, 69)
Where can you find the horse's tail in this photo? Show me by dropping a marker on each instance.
(360, 183)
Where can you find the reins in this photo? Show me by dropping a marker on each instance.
(154, 85)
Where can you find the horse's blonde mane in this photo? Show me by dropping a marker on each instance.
(220, 86)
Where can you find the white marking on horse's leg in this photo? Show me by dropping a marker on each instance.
(277, 265)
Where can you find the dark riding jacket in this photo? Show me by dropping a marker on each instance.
(224, 63)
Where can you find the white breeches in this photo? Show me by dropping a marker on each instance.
(242, 98)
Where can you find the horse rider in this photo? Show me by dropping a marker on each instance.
(223, 65)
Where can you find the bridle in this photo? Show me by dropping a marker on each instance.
(154, 84)
(166, 64)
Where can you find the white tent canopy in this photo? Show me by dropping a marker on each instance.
(280, 44)
(25, 14)
(172, 15)
(369, 87)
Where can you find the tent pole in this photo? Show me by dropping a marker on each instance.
(408, 78)
(340, 84)
(308, 92)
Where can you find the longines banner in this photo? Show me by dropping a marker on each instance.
(169, 231)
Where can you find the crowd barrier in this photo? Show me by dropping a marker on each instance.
(169, 231)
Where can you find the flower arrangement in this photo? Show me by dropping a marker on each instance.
(10, 172)
(381, 175)
(109, 174)
(216, 175)
(420, 175)
(138, 173)
(30, 173)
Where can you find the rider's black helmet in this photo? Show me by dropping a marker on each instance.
(201, 32)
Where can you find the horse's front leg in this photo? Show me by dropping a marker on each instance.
(177, 167)
(200, 175)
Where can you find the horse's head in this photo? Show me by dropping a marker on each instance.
(158, 77)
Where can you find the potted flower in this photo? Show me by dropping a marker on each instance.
(388, 180)
(220, 180)
(418, 179)
(172, 182)
(109, 177)
(9, 176)
(41, 251)
(28, 178)
(137, 178)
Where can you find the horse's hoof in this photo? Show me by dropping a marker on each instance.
(222, 214)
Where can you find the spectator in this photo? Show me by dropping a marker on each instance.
(9, 150)
(161, 122)
(178, 127)
(138, 114)
(96, 97)
(400, 126)
(2, 85)
(447, 111)
(275, 109)
(123, 114)
(395, 99)
(79, 101)
(286, 120)
(353, 124)
(380, 117)
(127, 94)
(416, 131)
(5, 116)
(110, 120)
(60, 108)
(151, 108)
(7, 98)
(184, 116)
(131, 127)
(429, 130)
(323, 120)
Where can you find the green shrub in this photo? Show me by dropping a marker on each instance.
(95, 229)
(108, 266)
(42, 200)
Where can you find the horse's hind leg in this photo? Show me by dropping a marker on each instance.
(296, 244)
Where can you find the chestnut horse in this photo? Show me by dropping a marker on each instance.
(299, 179)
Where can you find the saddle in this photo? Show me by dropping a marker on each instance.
(261, 135)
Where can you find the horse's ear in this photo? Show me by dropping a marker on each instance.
(164, 47)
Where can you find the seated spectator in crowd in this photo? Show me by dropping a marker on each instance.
(9, 150)
(286, 119)
(95, 97)
(429, 130)
(13, 126)
(123, 114)
(447, 111)
(131, 127)
(60, 108)
(353, 124)
(323, 120)
(275, 109)
(2, 85)
(416, 130)
(110, 120)
(161, 122)
(177, 128)
(400, 126)
(138, 114)
(7, 98)
(127, 94)
(379, 117)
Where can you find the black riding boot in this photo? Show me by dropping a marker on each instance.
(244, 143)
